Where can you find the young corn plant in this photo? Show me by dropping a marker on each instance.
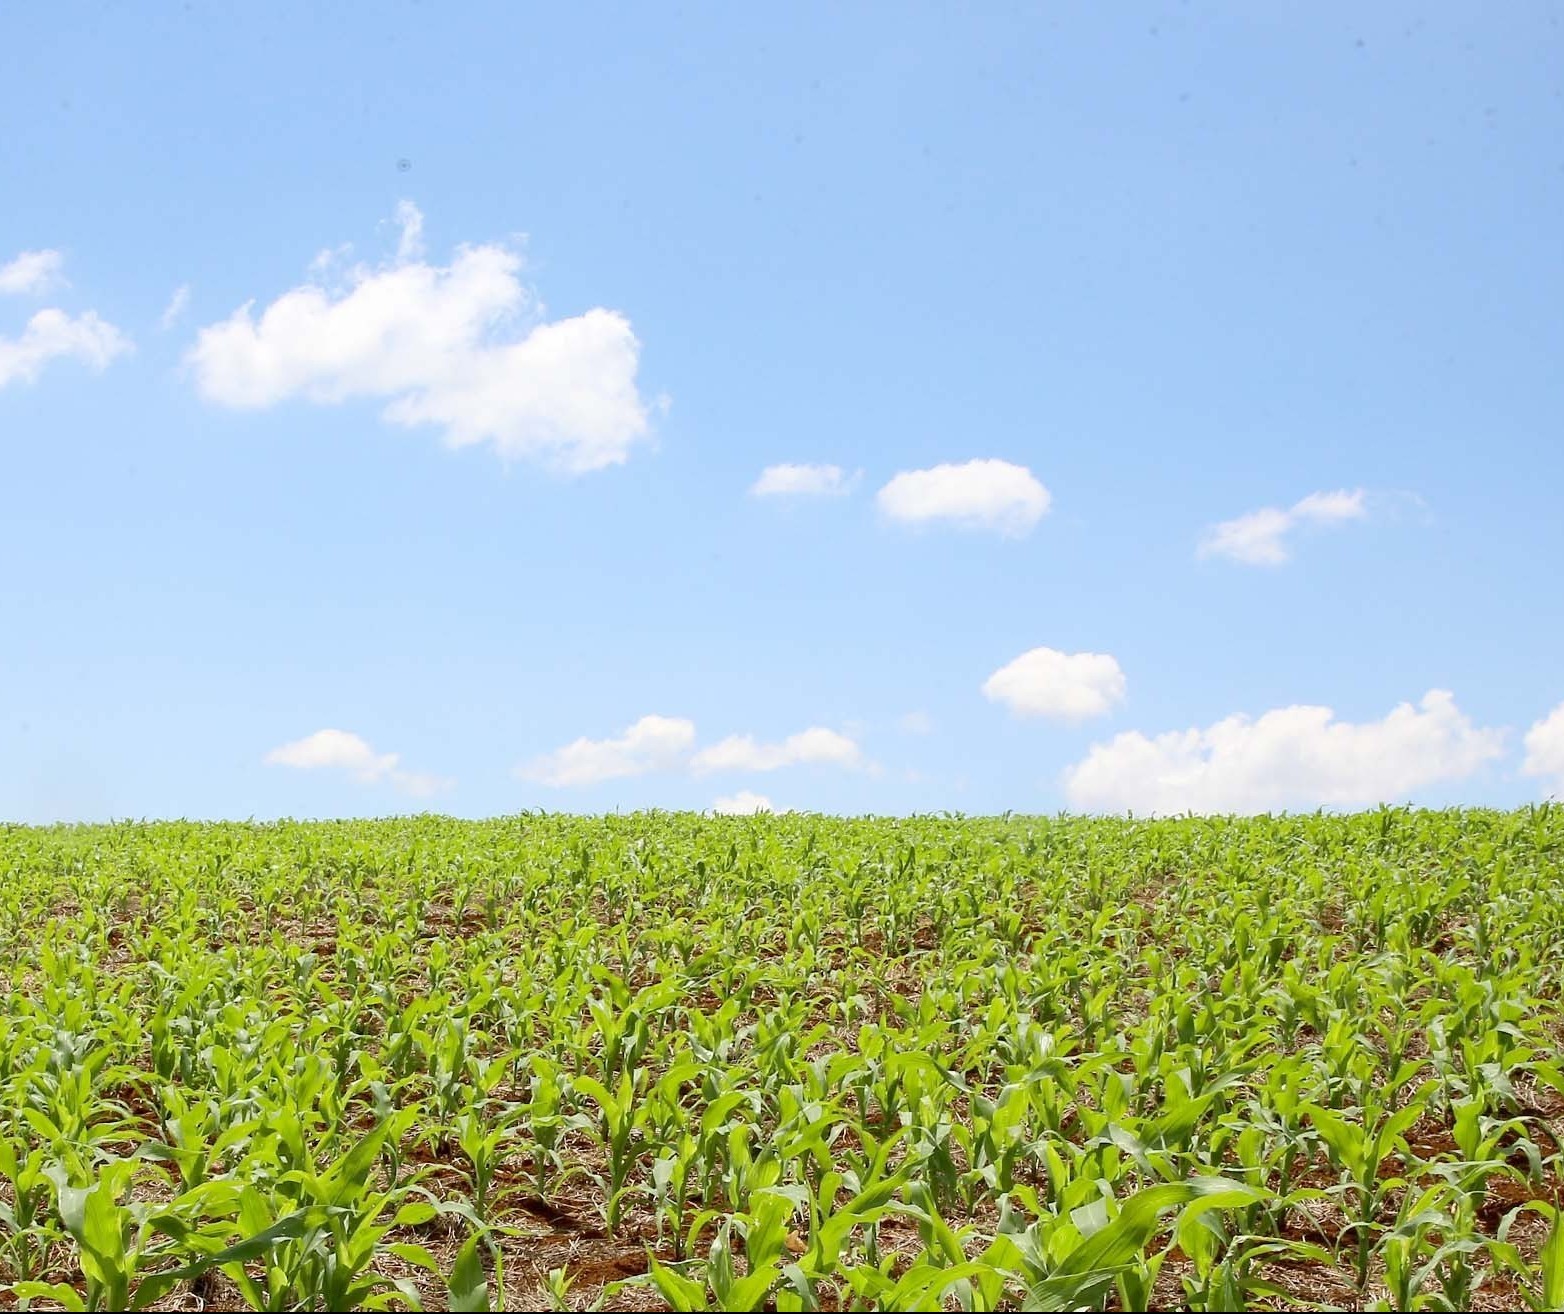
(1541, 1285)
(127, 1251)
(615, 1126)
(1359, 1149)
(26, 1222)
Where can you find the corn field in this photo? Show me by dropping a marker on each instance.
(794, 1063)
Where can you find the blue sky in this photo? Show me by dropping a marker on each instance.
(483, 487)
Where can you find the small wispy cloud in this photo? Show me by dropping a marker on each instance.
(53, 335)
(801, 481)
(653, 743)
(31, 273)
(410, 246)
(341, 750)
(1260, 538)
(745, 753)
(743, 804)
(175, 308)
(667, 743)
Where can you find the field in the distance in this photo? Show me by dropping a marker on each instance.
(792, 1063)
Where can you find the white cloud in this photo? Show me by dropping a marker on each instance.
(337, 749)
(916, 723)
(744, 753)
(32, 272)
(1255, 538)
(742, 804)
(463, 347)
(176, 307)
(340, 750)
(990, 494)
(1067, 686)
(1291, 757)
(1545, 751)
(652, 743)
(664, 743)
(410, 246)
(54, 335)
(1260, 537)
(800, 481)
(1341, 504)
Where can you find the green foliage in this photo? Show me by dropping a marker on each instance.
(786, 1063)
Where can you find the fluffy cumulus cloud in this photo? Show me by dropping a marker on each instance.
(341, 750)
(742, 804)
(1066, 686)
(745, 753)
(991, 495)
(461, 347)
(800, 481)
(1260, 538)
(53, 335)
(1545, 751)
(653, 743)
(32, 272)
(1290, 757)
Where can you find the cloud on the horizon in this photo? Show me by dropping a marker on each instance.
(743, 804)
(1545, 751)
(341, 750)
(1290, 757)
(744, 753)
(652, 743)
(667, 743)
